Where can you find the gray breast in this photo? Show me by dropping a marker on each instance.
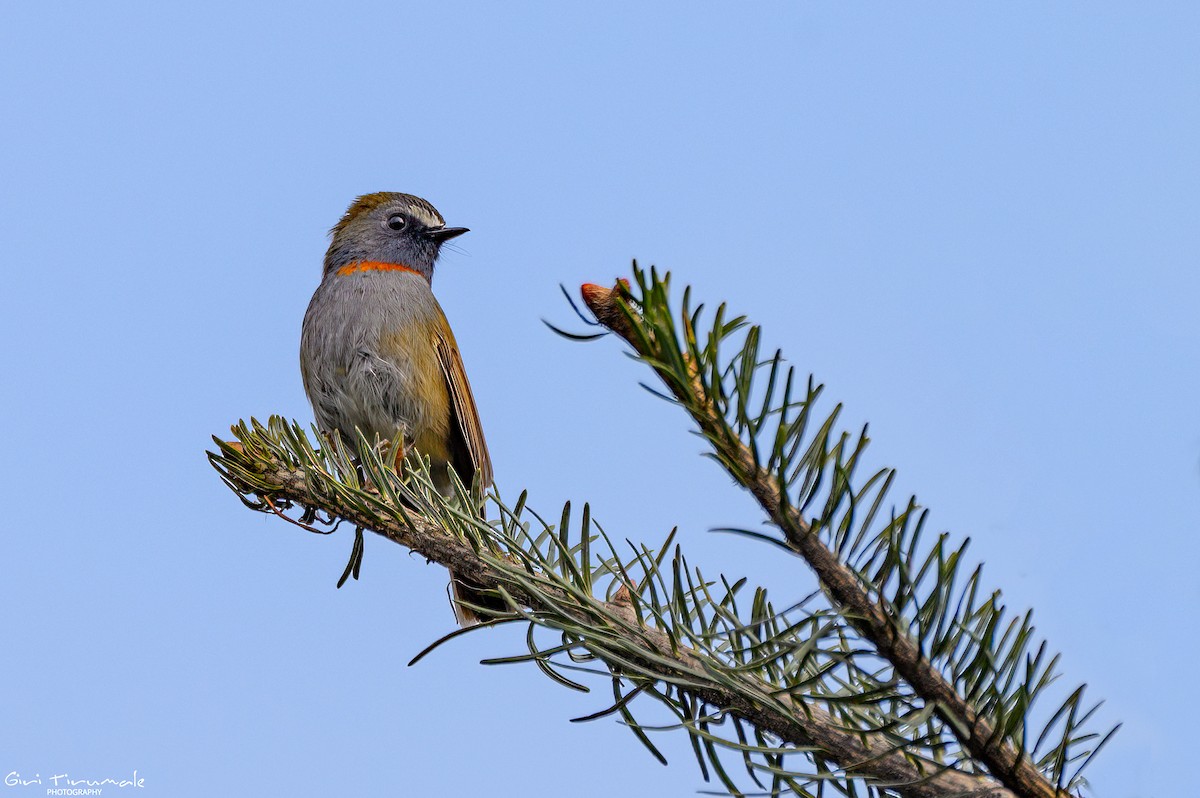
(349, 380)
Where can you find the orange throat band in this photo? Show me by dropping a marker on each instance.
(374, 266)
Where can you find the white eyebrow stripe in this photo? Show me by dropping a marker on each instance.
(424, 217)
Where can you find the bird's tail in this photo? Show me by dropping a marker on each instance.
(462, 591)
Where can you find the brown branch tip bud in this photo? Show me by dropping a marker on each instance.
(603, 302)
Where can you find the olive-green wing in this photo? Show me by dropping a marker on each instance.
(468, 449)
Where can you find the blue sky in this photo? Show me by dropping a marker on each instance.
(975, 223)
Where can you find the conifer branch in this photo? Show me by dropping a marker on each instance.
(716, 396)
(275, 469)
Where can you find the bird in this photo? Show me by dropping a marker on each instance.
(377, 354)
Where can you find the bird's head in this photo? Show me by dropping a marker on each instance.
(389, 228)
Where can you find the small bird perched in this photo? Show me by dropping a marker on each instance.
(377, 353)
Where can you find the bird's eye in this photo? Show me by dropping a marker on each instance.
(396, 221)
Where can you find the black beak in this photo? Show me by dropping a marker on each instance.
(440, 234)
